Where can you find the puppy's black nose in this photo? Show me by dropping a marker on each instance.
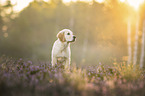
(74, 37)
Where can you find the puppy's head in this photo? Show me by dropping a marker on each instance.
(66, 35)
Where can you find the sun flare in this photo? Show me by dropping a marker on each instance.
(67, 1)
(122, 0)
(133, 3)
(99, 1)
(20, 4)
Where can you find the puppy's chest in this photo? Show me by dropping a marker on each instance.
(61, 49)
(63, 53)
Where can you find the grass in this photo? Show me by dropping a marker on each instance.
(23, 78)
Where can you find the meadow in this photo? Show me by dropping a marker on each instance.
(19, 77)
(110, 35)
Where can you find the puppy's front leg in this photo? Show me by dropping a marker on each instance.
(67, 63)
(54, 61)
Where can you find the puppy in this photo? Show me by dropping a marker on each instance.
(61, 52)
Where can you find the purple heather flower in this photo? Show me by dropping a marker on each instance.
(99, 78)
(31, 68)
(29, 62)
(100, 63)
(37, 67)
(20, 59)
(45, 70)
(25, 64)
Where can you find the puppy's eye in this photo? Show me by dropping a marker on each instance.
(68, 33)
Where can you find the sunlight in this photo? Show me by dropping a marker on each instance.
(20, 4)
(135, 3)
(86, 0)
(99, 1)
(122, 0)
(46, 0)
(67, 1)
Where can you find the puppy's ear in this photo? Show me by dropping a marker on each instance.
(61, 36)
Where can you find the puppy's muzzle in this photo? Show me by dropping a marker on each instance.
(74, 38)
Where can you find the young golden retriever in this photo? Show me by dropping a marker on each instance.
(61, 48)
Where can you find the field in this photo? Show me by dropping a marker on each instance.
(23, 78)
(110, 34)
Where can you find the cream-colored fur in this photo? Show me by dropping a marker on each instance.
(61, 48)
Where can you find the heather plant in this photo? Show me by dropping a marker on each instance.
(21, 77)
(129, 72)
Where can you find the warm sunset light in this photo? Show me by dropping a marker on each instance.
(20, 4)
(67, 1)
(72, 47)
(133, 3)
(122, 0)
(99, 1)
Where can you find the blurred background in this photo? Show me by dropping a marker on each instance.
(107, 31)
